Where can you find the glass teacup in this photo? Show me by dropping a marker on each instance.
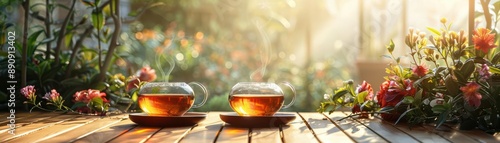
(258, 98)
(169, 98)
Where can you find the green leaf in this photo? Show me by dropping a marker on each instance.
(43, 67)
(97, 104)
(442, 118)
(98, 19)
(361, 96)
(434, 31)
(32, 45)
(494, 70)
(386, 109)
(408, 100)
(496, 7)
(390, 48)
(418, 97)
(402, 115)
(78, 104)
(135, 96)
(387, 56)
(441, 108)
(468, 68)
(452, 87)
(496, 58)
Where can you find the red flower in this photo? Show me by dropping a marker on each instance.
(471, 95)
(381, 94)
(86, 96)
(420, 70)
(483, 40)
(391, 92)
(365, 86)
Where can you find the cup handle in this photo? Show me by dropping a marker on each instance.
(294, 94)
(205, 94)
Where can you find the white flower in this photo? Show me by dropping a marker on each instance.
(326, 96)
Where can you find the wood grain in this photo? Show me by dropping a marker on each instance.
(85, 129)
(265, 135)
(354, 129)
(26, 118)
(233, 134)
(206, 131)
(387, 131)
(37, 126)
(56, 129)
(325, 130)
(106, 133)
(298, 132)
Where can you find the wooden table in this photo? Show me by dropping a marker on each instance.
(308, 127)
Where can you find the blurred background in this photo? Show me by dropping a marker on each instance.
(314, 45)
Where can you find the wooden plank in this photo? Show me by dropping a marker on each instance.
(418, 132)
(231, 134)
(174, 134)
(37, 126)
(387, 131)
(56, 129)
(107, 133)
(27, 119)
(86, 129)
(206, 131)
(298, 132)
(450, 135)
(263, 135)
(354, 129)
(138, 134)
(325, 130)
(477, 135)
(19, 115)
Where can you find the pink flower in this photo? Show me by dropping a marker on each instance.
(471, 95)
(86, 96)
(28, 92)
(484, 72)
(146, 74)
(53, 95)
(365, 86)
(420, 70)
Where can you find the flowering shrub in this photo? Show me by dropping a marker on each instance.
(90, 101)
(93, 101)
(447, 81)
(52, 97)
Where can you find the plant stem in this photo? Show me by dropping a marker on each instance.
(62, 32)
(115, 14)
(78, 44)
(99, 37)
(48, 30)
(487, 14)
(24, 55)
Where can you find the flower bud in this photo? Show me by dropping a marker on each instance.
(443, 20)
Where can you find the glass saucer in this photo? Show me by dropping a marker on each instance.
(278, 119)
(187, 119)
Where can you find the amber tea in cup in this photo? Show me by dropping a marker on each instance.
(258, 99)
(168, 99)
